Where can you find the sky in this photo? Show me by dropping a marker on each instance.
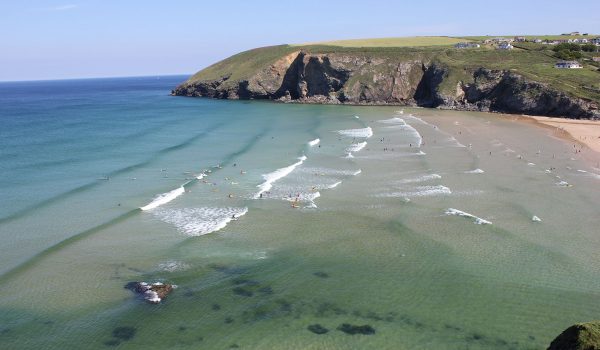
(65, 39)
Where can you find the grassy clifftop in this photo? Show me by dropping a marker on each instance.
(426, 71)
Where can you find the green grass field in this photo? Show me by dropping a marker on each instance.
(543, 37)
(535, 62)
(415, 41)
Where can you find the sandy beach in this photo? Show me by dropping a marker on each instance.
(584, 131)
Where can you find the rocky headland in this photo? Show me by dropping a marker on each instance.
(408, 77)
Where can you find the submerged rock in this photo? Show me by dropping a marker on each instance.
(353, 329)
(124, 333)
(153, 293)
(582, 336)
(317, 329)
(321, 274)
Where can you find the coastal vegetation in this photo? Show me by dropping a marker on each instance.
(423, 71)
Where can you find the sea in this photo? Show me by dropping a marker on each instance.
(286, 226)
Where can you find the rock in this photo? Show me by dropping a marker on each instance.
(317, 329)
(124, 333)
(414, 79)
(352, 329)
(582, 336)
(153, 293)
(242, 291)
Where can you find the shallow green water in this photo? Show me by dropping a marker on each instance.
(377, 249)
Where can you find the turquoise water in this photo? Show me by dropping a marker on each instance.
(266, 230)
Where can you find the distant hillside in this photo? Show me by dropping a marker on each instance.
(423, 71)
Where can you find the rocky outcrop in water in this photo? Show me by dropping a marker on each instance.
(335, 78)
(153, 293)
(582, 336)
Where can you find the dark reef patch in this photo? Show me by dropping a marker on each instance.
(321, 274)
(354, 329)
(124, 333)
(317, 329)
(241, 291)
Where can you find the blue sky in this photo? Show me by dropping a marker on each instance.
(98, 38)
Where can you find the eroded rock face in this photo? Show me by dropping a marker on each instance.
(335, 78)
(582, 336)
(153, 293)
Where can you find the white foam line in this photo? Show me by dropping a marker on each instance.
(164, 198)
(478, 220)
(536, 219)
(476, 171)
(362, 133)
(594, 175)
(356, 147)
(334, 185)
(200, 221)
(394, 120)
(423, 178)
(357, 172)
(278, 174)
(201, 176)
(420, 191)
(314, 142)
(415, 134)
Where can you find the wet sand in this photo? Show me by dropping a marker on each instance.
(584, 131)
(584, 135)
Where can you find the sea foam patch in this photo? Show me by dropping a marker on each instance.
(356, 147)
(475, 171)
(314, 142)
(173, 265)
(359, 133)
(199, 221)
(478, 220)
(422, 178)
(419, 191)
(394, 120)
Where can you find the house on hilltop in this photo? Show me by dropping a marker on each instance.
(520, 39)
(505, 46)
(568, 65)
(596, 59)
(595, 41)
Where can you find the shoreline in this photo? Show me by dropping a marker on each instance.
(584, 132)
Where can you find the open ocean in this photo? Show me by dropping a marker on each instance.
(438, 229)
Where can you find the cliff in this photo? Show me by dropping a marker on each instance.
(429, 77)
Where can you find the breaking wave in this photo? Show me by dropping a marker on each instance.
(199, 221)
(164, 198)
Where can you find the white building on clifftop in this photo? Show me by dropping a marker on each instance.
(568, 65)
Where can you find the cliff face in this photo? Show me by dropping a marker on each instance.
(335, 78)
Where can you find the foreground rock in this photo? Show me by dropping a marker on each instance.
(582, 336)
(153, 293)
